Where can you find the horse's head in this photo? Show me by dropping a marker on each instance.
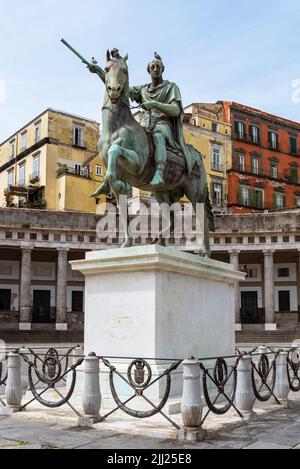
(116, 78)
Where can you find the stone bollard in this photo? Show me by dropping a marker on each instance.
(245, 396)
(13, 390)
(282, 387)
(91, 400)
(191, 407)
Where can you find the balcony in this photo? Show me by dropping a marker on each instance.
(65, 171)
(240, 136)
(34, 178)
(220, 168)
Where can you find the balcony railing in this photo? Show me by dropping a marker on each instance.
(34, 178)
(287, 177)
(84, 173)
(218, 167)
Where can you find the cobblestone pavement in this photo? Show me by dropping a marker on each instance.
(280, 430)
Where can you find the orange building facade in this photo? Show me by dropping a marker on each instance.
(265, 172)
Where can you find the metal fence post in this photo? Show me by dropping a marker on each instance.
(91, 400)
(13, 390)
(191, 407)
(245, 397)
(24, 372)
(282, 387)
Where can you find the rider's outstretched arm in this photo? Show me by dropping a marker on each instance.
(98, 70)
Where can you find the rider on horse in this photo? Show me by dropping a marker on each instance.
(163, 101)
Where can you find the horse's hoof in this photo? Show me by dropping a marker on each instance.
(160, 242)
(128, 243)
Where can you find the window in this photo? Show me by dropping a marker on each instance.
(5, 300)
(273, 140)
(24, 140)
(22, 175)
(78, 136)
(241, 162)
(274, 239)
(240, 240)
(279, 201)
(259, 198)
(274, 170)
(10, 177)
(216, 158)
(12, 149)
(36, 166)
(297, 201)
(217, 240)
(78, 169)
(254, 134)
(294, 174)
(251, 240)
(214, 127)
(240, 130)
(262, 239)
(251, 272)
(77, 301)
(283, 272)
(37, 132)
(284, 298)
(293, 145)
(255, 166)
(217, 191)
(99, 170)
(245, 195)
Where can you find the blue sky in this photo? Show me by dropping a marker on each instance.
(238, 50)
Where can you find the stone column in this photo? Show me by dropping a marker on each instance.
(13, 390)
(270, 320)
(61, 290)
(91, 399)
(25, 290)
(245, 397)
(282, 386)
(191, 407)
(234, 261)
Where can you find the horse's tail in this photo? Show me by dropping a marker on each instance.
(208, 208)
(209, 213)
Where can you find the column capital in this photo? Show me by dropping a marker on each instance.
(25, 248)
(234, 252)
(269, 252)
(63, 250)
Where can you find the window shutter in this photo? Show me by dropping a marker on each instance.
(284, 200)
(274, 200)
(236, 126)
(252, 201)
(293, 142)
(239, 196)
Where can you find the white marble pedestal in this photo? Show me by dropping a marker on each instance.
(158, 302)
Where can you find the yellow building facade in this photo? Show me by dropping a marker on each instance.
(52, 163)
(205, 129)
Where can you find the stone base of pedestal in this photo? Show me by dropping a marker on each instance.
(9, 411)
(191, 434)
(154, 302)
(23, 326)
